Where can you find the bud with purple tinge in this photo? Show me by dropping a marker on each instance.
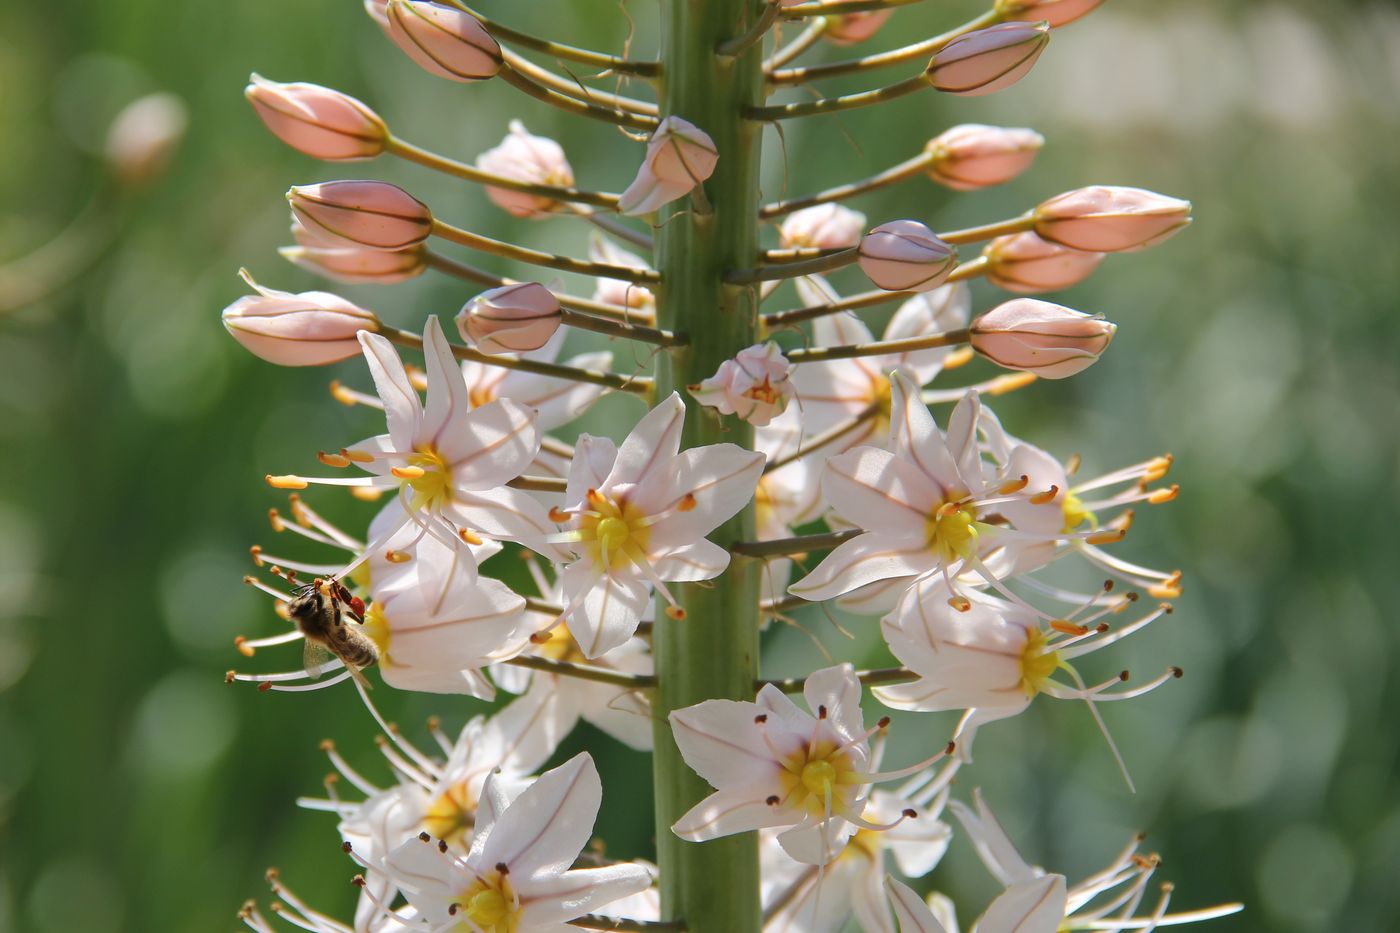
(906, 256)
(354, 264)
(443, 40)
(306, 329)
(1108, 219)
(1039, 337)
(989, 59)
(826, 226)
(1055, 12)
(1026, 264)
(318, 121)
(523, 156)
(510, 319)
(374, 214)
(974, 156)
(679, 156)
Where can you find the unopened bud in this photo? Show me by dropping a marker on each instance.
(143, 137)
(1026, 264)
(1039, 337)
(1107, 219)
(522, 156)
(989, 59)
(1055, 12)
(616, 291)
(756, 385)
(679, 156)
(851, 28)
(443, 40)
(974, 156)
(905, 256)
(510, 319)
(375, 214)
(306, 329)
(826, 226)
(318, 121)
(354, 264)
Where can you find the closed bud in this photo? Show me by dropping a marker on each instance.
(318, 121)
(851, 28)
(989, 59)
(1108, 219)
(1055, 12)
(974, 156)
(522, 156)
(905, 256)
(306, 329)
(1039, 337)
(1026, 264)
(826, 226)
(510, 319)
(679, 156)
(442, 39)
(373, 214)
(354, 264)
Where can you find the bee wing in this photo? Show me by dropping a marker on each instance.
(313, 656)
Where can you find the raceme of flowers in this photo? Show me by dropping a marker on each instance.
(498, 548)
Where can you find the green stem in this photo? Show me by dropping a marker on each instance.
(793, 269)
(918, 50)
(709, 886)
(437, 163)
(615, 925)
(485, 244)
(522, 82)
(539, 483)
(906, 169)
(801, 544)
(601, 675)
(468, 273)
(614, 328)
(576, 88)
(872, 678)
(774, 320)
(878, 347)
(809, 37)
(842, 7)
(810, 108)
(558, 50)
(989, 231)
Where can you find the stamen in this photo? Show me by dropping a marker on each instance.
(352, 397)
(878, 777)
(1015, 486)
(1045, 497)
(333, 460)
(1157, 497)
(286, 482)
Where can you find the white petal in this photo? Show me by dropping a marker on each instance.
(837, 689)
(489, 446)
(448, 401)
(992, 843)
(507, 513)
(547, 826)
(721, 477)
(578, 892)
(864, 559)
(910, 910)
(436, 680)
(721, 742)
(818, 843)
(611, 611)
(915, 437)
(878, 491)
(961, 439)
(593, 460)
(402, 409)
(868, 900)
(943, 309)
(703, 560)
(1036, 906)
(653, 442)
(724, 813)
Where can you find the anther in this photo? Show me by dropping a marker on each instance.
(1108, 586)
(1041, 498)
(265, 686)
(676, 613)
(424, 837)
(883, 723)
(256, 552)
(950, 747)
(1168, 609)
(241, 643)
(1158, 496)
(230, 676)
(821, 711)
(275, 518)
(1015, 486)
(470, 537)
(760, 719)
(397, 557)
(772, 801)
(1110, 536)
(1158, 467)
(960, 603)
(1101, 627)
(271, 875)
(1072, 464)
(408, 472)
(367, 493)
(288, 481)
(358, 881)
(442, 846)
(503, 868)
(558, 515)
(342, 395)
(1177, 672)
(1068, 628)
(1008, 383)
(911, 813)
(959, 357)
(356, 456)
(687, 503)
(1123, 676)
(540, 638)
(333, 460)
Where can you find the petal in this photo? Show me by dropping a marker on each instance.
(490, 446)
(593, 459)
(868, 900)
(961, 440)
(915, 437)
(419, 868)
(436, 680)
(447, 390)
(910, 910)
(559, 401)
(1036, 906)
(837, 690)
(581, 891)
(877, 491)
(547, 826)
(611, 611)
(703, 560)
(918, 845)
(721, 477)
(725, 813)
(818, 843)
(943, 309)
(402, 409)
(993, 845)
(722, 743)
(512, 514)
(866, 558)
(654, 441)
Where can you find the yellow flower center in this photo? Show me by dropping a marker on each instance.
(1037, 664)
(883, 401)
(819, 777)
(613, 529)
(432, 487)
(481, 395)
(376, 627)
(561, 646)
(452, 816)
(952, 530)
(1076, 514)
(819, 781)
(489, 905)
(763, 393)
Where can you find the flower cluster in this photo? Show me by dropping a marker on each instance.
(799, 460)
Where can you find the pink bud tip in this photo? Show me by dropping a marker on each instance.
(679, 157)
(1026, 264)
(318, 121)
(510, 319)
(989, 59)
(826, 226)
(974, 156)
(522, 156)
(1055, 12)
(906, 256)
(1107, 219)
(443, 40)
(306, 329)
(373, 214)
(1039, 337)
(354, 264)
(851, 28)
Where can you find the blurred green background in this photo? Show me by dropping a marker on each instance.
(137, 792)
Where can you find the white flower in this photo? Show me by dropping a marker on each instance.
(636, 518)
(785, 498)
(773, 764)
(825, 226)
(618, 292)
(516, 878)
(756, 385)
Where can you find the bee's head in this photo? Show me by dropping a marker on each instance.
(307, 603)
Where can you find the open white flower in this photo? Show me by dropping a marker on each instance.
(516, 877)
(636, 517)
(774, 764)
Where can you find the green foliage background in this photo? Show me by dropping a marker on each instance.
(137, 792)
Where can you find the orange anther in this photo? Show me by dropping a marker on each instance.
(959, 357)
(557, 514)
(342, 395)
(356, 456)
(960, 603)
(366, 493)
(408, 472)
(256, 551)
(470, 536)
(397, 557)
(286, 482)
(1110, 536)
(687, 502)
(332, 460)
(1158, 496)
(1068, 628)
(1010, 383)
(676, 613)
(241, 644)
(1015, 485)
(1041, 498)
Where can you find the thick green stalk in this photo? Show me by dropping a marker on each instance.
(712, 886)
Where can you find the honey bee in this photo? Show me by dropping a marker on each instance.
(329, 618)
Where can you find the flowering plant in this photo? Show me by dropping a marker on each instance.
(755, 445)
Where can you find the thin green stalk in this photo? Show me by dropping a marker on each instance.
(918, 50)
(469, 273)
(811, 108)
(712, 887)
(890, 176)
(486, 244)
(557, 49)
(625, 118)
(878, 347)
(432, 160)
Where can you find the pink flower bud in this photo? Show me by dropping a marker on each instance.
(905, 256)
(510, 319)
(443, 40)
(143, 137)
(1026, 264)
(851, 28)
(826, 226)
(1055, 12)
(522, 156)
(989, 59)
(354, 264)
(318, 121)
(1039, 337)
(375, 214)
(973, 156)
(679, 156)
(1107, 219)
(756, 385)
(306, 329)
